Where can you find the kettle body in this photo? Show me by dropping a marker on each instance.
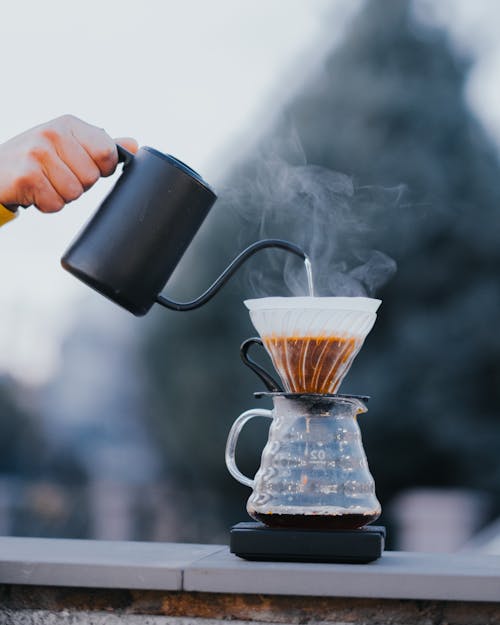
(132, 244)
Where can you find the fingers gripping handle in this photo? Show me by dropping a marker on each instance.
(232, 440)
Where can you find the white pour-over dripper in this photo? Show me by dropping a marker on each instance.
(312, 341)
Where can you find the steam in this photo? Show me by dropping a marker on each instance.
(324, 213)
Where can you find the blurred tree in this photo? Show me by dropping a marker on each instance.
(388, 109)
(198, 387)
(20, 437)
(42, 486)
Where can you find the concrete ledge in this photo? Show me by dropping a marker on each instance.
(97, 564)
(397, 575)
(212, 569)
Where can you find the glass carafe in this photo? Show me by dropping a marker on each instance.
(313, 471)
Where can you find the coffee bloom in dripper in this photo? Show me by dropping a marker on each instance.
(312, 341)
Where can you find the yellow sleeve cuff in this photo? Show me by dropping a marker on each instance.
(6, 215)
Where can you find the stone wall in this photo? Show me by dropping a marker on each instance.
(39, 605)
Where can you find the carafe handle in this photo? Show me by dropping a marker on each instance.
(270, 383)
(232, 440)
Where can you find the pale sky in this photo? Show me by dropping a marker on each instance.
(194, 78)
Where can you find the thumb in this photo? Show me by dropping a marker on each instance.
(128, 143)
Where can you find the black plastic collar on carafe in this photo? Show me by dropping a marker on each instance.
(312, 396)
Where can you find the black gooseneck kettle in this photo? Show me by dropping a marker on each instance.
(132, 244)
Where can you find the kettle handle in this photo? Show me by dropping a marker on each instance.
(232, 440)
(124, 156)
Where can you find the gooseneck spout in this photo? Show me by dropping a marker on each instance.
(229, 271)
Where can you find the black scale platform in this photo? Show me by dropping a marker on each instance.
(255, 541)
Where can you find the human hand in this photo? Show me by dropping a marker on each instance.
(54, 163)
